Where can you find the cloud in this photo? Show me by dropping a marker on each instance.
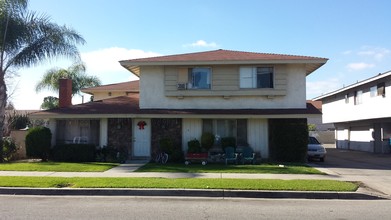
(106, 60)
(201, 43)
(377, 53)
(359, 66)
(317, 88)
(347, 52)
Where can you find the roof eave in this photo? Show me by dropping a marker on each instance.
(377, 77)
(311, 64)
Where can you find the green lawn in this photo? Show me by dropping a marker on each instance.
(182, 183)
(57, 166)
(221, 168)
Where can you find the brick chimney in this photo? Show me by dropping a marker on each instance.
(65, 93)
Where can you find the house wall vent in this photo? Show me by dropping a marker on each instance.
(181, 86)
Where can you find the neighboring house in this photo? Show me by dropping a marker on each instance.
(361, 114)
(229, 93)
(113, 90)
(324, 132)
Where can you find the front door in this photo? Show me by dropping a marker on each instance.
(142, 137)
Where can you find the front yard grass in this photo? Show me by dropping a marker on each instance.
(221, 168)
(181, 183)
(57, 166)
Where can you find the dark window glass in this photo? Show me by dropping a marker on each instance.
(241, 132)
(264, 77)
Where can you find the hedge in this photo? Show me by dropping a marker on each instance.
(38, 142)
(288, 140)
(74, 153)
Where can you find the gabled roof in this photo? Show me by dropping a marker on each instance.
(131, 86)
(128, 106)
(316, 104)
(355, 85)
(216, 57)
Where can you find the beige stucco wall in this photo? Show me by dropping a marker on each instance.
(152, 94)
(19, 137)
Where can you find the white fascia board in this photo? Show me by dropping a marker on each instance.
(353, 86)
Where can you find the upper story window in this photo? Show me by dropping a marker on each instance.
(256, 77)
(199, 78)
(373, 91)
(347, 98)
(378, 90)
(358, 97)
(381, 89)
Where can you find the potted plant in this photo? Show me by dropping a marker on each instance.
(193, 146)
(207, 140)
(194, 152)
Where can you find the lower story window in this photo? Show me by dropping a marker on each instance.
(75, 131)
(221, 128)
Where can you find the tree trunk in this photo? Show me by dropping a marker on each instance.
(3, 102)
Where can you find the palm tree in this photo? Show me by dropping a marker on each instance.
(28, 38)
(76, 72)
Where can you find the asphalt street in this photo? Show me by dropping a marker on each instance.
(95, 207)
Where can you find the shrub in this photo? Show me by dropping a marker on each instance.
(288, 139)
(228, 142)
(207, 140)
(38, 142)
(108, 154)
(18, 121)
(74, 153)
(8, 150)
(174, 151)
(193, 146)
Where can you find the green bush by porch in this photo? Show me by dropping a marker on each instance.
(74, 153)
(288, 139)
(38, 142)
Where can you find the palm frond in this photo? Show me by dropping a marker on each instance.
(39, 39)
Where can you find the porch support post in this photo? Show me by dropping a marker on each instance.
(52, 125)
(103, 132)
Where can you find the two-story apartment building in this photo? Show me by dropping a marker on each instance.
(361, 115)
(228, 93)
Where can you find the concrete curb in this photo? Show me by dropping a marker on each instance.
(190, 193)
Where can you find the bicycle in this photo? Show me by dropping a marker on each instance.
(161, 157)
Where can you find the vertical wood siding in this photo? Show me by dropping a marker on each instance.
(192, 128)
(257, 136)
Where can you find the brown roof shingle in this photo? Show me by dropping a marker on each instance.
(130, 105)
(224, 55)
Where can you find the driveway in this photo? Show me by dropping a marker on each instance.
(374, 170)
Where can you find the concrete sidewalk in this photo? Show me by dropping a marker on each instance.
(127, 170)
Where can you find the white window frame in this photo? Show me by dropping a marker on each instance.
(358, 97)
(191, 77)
(373, 91)
(248, 77)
